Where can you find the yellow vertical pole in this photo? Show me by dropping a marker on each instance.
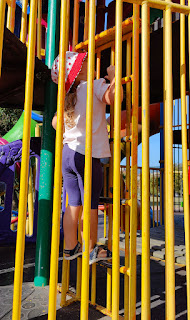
(117, 159)
(39, 30)
(64, 287)
(122, 194)
(86, 20)
(98, 62)
(169, 219)
(75, 24)
(18, 276)
(145, 81)
(58, 163)
(134, 144)
(88, 164)
(30, 204)
(27, 226)
(11, 16)
(23, 29)
(68, 276)
(184, 152)
(127, 186)
(79, 261)
(110, 212)
(2, 20)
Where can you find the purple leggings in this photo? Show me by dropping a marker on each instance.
(73, 177)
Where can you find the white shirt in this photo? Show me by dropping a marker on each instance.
(75, 137)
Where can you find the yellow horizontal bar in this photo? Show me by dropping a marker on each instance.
(106, 35)
(128, 138)
(159, 4)
(9, 2)
(125, 202)
(124, 270)
(106, 312)
(126, 79)
(111, 43)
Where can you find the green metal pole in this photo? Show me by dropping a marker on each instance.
(45, 200)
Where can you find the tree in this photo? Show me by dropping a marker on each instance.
(8, 118)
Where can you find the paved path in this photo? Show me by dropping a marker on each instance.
(35, 300)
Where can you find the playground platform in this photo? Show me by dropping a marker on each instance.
(35, 299)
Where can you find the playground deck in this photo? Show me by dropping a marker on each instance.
(35, 299)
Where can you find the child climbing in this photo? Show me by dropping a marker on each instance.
(73, 156)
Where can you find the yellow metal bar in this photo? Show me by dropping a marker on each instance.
(64, 287)
(184, 152)
(98, 62)
(86, 20)
(58, 163)
(169, 227)
(2, 21)
(117, 159)
(141, 199)
(162, 5)
(145, 81)
(39, 30)
(18, 276)
(126, 79)
(122, 193)
(75, 24)
(27, 226)
(127, 187)
(134, 144)
(110, 212)
(11, 16)
(88, 164)
(68, 276)
(30, 204)
(23, 29)
(79, 261)
(108, 37)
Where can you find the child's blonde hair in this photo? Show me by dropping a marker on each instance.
(69, 108)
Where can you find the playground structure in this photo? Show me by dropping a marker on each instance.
(112, 39)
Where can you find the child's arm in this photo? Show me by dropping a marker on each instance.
(108, 96)
(54, 121)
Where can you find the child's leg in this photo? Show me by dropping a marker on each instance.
(93, 232)
(93, 227)
(70, 225)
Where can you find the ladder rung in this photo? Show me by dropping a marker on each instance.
(107, 36)
(108, 265)
(123, 202)
(127, 79)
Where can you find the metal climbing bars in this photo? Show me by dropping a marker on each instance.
(119, 203)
